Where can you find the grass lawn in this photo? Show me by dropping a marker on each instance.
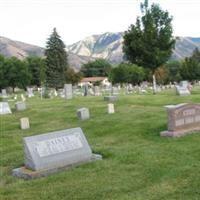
(137, 163)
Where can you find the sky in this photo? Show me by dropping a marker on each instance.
(32, 21)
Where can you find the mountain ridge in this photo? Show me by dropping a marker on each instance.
(107, 46)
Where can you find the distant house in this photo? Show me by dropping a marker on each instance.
(92, 80)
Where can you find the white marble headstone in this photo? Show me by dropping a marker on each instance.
(4, 108)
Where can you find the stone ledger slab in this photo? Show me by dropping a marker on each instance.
(182, 119)
(48, 153)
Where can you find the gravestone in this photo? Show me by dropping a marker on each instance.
(96, 91)
(110, 108)
(85, 90)
(182, 91)
(182, 119)
(68, 91)
(4, 93)
(30, 92)
(110, 98)
(83, 113)
(20, 106)
(4, 108)
(48, 153)
(24, 123)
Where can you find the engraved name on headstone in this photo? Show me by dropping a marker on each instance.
(182, 119)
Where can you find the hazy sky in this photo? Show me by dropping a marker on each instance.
(32, 21)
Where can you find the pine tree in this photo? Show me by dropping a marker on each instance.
(56, 61)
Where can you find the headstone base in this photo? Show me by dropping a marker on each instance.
(28, 174)
(179, 133)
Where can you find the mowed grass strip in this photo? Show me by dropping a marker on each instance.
(137, 163)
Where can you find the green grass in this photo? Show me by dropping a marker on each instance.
(137, 163)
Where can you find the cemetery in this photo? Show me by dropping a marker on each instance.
(115, 116)
(118, 156)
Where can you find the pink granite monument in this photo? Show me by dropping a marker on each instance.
(182, 119)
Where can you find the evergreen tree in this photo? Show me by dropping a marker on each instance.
(149, 42)
(56, 61)
(36, 66)
(196, 54)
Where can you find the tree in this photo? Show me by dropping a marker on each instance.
(99, 67)
(3, 74)
(56, 61)
(72, 76)
(17, 73)
(173, 71)
(190, 69)
(36, 66)
(149, 42)
(127, 73)
(196, 54)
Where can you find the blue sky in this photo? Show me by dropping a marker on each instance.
(32, 21)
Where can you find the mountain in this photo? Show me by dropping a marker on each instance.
(21, 50)
(109, 47)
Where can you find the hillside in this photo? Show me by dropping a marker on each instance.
(107, 46)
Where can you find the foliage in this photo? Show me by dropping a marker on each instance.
(36, 66)
(196, 54)
(3, 78)
(173, 71)
(72, 76)
(99, 67)
(149, 42)
(127, 73)
(190, 69)
(56, 61)
(16, 73)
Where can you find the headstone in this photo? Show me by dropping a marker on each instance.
(4, 93)
(4, 108)
(68, 91)
(182, 119)
(30, 92)
(48, 153)
(111, 108)
(182, 91)
(96, 91)
(85, 88)
(91, 92)
(83, 113)
(110, 98)
(20, 106)
(24, 123)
